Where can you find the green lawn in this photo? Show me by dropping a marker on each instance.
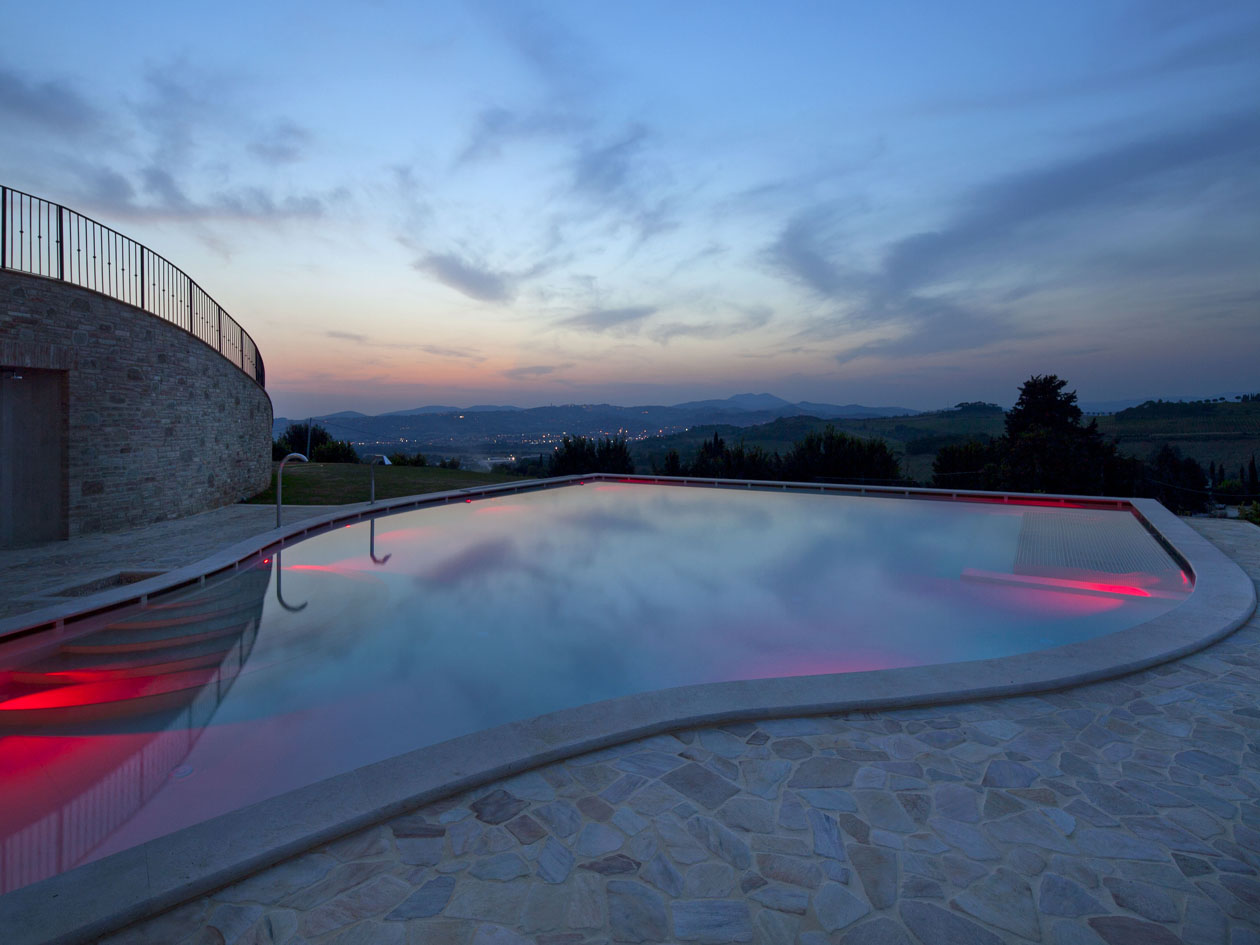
(342, 483)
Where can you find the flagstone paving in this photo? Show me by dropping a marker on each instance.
(1122, 812)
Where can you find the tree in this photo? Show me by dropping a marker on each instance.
(1046, 448)
(577, 456)
(975, 464)
(832, 456)
(1253, 482)
(300, 438)
(1176, 481)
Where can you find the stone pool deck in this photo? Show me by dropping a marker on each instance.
(1126, 811)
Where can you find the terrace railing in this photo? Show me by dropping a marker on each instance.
(43, 238)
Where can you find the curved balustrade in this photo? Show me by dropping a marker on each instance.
(46, 239)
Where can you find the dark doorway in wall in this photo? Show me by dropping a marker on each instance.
(33, 408)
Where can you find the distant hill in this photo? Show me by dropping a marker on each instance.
(768, 403)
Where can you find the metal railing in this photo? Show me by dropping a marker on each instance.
(46, 239)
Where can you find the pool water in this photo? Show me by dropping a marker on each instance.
(377, 638)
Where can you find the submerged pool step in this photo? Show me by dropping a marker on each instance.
(66, 668)
(102, 700)
(136, 641)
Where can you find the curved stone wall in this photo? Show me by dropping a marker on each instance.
(156, 424)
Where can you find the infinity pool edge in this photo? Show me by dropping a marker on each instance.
(118, 890)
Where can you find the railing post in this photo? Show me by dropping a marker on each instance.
(61, 245)
(4, 227)
(142, 277)
(219, 308)
(188, 303)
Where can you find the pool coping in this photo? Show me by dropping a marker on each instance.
(134, 884)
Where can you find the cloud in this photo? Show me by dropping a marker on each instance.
(1117, 178)
(283, 143)
(52, 106)
(802, 253)
(497, 126)
(608, 170)
(609, 319)
(440, 352)
(752, 319)
(933, 326)
(534, 370)
(347, 336)
(476, 282)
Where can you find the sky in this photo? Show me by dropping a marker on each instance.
(910, 204)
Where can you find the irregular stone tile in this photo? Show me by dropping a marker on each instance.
(1114, 844)
(1122, 930)
(1025, 861)
(1205, 763)
(680, 844)
(336, 882)
(497, 935)
(837, 908)
(750, 881)
(1146, 900)
(648, 764)
(545, 908)
(920, 887)
(612, 865)
(1159, 830)
(492, 840)
(1247, 890)
(1003, 899)
(715, 921)
(877, 868)
(1031, 827)
(1091, 814)
(555, 861)
(628, 822)
(1061, 896)
(956, 802)
(701, 785)
(487, 901)
(708, 881)
(789, 869)
(879, 931)
(790, 846)
(372, 898)
(792, 814)
(763, 778)
(960, 871)
(369, 933)
(662, 874)
(1204, 923)
(1073, 933)
(560, 817)
(622, 788)
(823, 772)
(284, 879)
(751, 814)
(635, 913)
(781, 898)
(654, 798)
(720, 840)
(497, 807)
(880, 809)
(793, 749)
(829, 799)
(429, 899)
(998, 804)
(934, 926)
(597, 839)
(722, 743)
(1008, 774)
(777, 929)
(596, 808)
(500, 868)
(587, 903)
(827, 841)
(464, 836)
(964, 837)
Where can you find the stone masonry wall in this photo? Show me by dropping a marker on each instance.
(160, 424)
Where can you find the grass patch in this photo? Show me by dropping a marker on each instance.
(343, 483)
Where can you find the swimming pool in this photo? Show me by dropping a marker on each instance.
(380, 637)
